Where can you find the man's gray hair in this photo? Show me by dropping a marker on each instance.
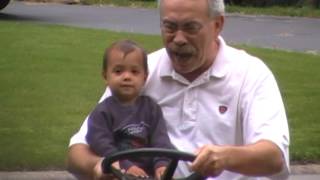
(216, 8)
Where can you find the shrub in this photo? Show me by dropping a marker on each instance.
(265, 3)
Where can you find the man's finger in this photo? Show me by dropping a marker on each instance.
(200, 159)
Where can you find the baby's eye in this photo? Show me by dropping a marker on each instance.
(117, 71)
(135, 71)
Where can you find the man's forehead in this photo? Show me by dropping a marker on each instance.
(184, 3)
(184, 9)
(180, 21)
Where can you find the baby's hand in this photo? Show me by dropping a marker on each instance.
(159, 172)
(136, 171)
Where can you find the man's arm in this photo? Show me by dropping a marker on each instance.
(81, 161)
(260, 159)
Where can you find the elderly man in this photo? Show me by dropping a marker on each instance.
(219, 102)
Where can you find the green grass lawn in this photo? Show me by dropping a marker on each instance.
(50, 80)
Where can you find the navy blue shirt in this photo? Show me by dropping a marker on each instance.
(113, 127)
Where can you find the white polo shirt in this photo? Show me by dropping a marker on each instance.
(235, 102)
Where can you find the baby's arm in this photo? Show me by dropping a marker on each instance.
(100, 136)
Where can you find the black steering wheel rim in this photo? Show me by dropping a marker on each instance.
(172, 154)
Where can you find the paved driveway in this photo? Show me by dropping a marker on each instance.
(296, 34)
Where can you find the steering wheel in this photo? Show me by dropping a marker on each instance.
(174, 155)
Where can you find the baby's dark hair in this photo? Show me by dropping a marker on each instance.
(126, 46)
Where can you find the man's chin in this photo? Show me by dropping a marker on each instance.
(184, 70)
(183, 67)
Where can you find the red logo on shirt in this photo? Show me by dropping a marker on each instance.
(223, 109)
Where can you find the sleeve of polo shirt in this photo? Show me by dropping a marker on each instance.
(263, 111)
(80, 136)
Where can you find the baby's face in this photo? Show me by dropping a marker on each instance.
(125, 75)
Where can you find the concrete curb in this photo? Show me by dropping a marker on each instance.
(36, 175)
(305, 169)
(310, 171)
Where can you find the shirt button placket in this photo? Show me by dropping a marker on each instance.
(189, 109)
(193, 105)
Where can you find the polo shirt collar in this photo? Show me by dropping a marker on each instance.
(220, 65)
(166, 68)
(218, 69)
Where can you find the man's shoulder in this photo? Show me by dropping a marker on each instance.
(243, 64)
(233, 53)
(241, 58)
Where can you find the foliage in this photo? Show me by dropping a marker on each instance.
(266, 3)
(131, 3)
(304, 11)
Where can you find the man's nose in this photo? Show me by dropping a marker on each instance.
(179, 38)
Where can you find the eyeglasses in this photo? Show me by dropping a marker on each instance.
(191, 27)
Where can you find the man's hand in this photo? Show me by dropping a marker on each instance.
(159, 172)
(136, 171)
(262, 158)
(210, 160)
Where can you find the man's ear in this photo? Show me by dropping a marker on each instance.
(219, 23)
